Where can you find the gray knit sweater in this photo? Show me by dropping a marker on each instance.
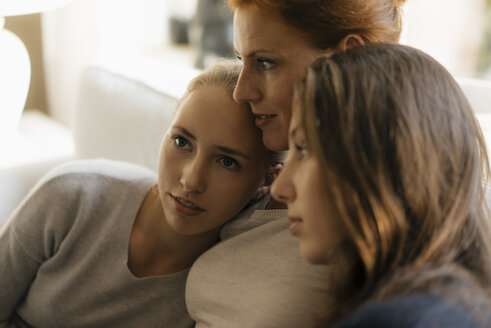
(64, 251)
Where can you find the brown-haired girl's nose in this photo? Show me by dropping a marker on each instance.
(282, 189)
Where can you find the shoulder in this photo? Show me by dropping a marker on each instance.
(83, 184)
(411, 311)
(99, 168)
(94, 175)
(77, 194)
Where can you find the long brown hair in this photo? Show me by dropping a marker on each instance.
(325, 23)
(404, 162)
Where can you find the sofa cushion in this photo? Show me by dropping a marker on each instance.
(120, 118)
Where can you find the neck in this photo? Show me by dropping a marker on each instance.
(156, 248)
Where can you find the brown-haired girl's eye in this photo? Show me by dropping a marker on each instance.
(265, 64)
(301, 150)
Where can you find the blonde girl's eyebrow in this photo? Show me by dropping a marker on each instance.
(226, 150)
(230, 151)
(185, 132)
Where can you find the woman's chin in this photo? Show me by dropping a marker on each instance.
(274, 141)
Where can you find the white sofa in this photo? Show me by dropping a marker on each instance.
(122, 114)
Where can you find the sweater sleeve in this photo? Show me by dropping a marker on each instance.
(29, 238)
(411, 311)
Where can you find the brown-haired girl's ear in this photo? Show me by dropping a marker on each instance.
(350, 41)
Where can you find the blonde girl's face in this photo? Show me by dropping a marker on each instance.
(212, 161)
(274, 59)
(311, 213)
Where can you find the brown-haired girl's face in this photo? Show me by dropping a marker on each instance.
(274, 58)
(311, 212)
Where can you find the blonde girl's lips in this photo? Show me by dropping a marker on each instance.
(185, 207)
(263, 120)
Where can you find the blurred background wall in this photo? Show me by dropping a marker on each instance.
(63, 42)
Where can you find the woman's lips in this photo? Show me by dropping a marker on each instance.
(261, 120)
(295, 224)
(185, 207)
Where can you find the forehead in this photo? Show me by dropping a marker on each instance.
(296, 119)
(211, 114)
(258, 28)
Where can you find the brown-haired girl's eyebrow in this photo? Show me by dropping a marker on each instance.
(294, 131)
(297, 135)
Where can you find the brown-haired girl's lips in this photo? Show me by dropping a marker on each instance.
(185, 207)
(261, 120)
(295, 224)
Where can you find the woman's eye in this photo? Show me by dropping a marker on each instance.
(181, 142)
(228, 163)
(265, 64)
(238, 57)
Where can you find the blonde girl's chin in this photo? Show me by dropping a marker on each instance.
(189, 228)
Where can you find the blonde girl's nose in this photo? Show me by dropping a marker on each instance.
(193, 177)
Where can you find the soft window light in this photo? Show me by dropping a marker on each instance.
(15, 65)
(24, 7)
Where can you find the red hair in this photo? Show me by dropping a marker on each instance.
(325, 23)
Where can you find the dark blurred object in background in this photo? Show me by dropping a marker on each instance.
(211, 30)
(178, 30)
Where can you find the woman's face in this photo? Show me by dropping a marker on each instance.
(274, 58)
(313, 218)
(212, 161)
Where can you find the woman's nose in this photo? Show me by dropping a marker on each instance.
(282, 188)
(193, 177)
(247, 89)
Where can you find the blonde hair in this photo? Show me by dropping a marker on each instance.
(404, 162)
(325, 23)
(225, 74)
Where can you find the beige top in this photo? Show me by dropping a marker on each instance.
(256, 278)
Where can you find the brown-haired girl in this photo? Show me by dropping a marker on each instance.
(385, 182)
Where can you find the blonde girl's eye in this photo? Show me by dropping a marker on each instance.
(229, 163)
(181, 142)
